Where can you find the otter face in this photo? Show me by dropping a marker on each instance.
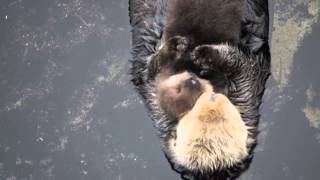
(210, 133)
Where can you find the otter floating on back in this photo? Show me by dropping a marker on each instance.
(201, 67)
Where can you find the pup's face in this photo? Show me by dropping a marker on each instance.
(210, 134)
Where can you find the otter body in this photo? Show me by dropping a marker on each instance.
(201, 67)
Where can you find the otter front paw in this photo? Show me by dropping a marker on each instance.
(175, 47)
(207, 57)
(169, 53)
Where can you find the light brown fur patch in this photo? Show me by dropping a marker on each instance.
(210, 136)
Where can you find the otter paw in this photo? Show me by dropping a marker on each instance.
(177, 45)
(206, 56)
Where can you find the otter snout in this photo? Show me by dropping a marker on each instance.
(192, 84)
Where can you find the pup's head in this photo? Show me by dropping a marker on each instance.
(209, 133)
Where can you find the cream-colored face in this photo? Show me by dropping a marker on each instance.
(211, 135)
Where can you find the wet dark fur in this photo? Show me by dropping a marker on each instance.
(205, 21)
(244, 75)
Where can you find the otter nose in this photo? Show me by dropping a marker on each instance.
(192, 83)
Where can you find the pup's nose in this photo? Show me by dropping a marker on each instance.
(192, 83)
(214, 97)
